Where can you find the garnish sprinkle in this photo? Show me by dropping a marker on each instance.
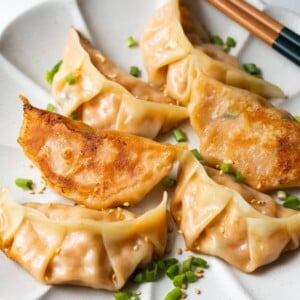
(49, 75)
(24, 183)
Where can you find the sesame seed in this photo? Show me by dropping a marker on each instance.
(126, 204)
(197, 291)
(57, 250)
(119, 209)
(135, 247)
(199, 275)
(184, 286)
(46, 278)
(281, 195)
(179, 251)
(221, 172)
(183, 296)
(114, 276)
(110, 211)
(146, 239)
(227, 161)
(180, 231)
(258, 186)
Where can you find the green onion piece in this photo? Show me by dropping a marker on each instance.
(172, 271)
(230, 42)
(70, 79)
(179, 280)
(197, 154)
(179, 135)
(190, 276)
(151, 272)
(24, 183)
(199, 262)
(297, 118)
(73, 116)
(186, 265)
(175, 294)
(49, 75)
(169, 182)
(129, 295)
(169, 262)
(291, 198)
(138, 277)
(226, 167)
(292, 202)
(50, 107)
(215, 39)
(239, 177)
(252, 69)
(130, 42)
(134, 71)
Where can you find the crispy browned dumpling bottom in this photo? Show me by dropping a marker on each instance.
(95, 168)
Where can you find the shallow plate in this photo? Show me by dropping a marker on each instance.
(32, 44)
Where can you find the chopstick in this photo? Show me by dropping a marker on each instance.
(263, 26)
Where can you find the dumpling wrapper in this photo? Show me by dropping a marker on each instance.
(105, 104)
(262, 141)
(96, 168)
(171, 60)
(63, 244)
(236, 223)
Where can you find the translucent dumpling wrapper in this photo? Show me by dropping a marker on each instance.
(230, 220)
(103, 103)
(63, 244)
(261, 141)
(95, 168)
(166, 47)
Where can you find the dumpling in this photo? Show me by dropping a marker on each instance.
(232, 221)
(63, 244)
(98, 169)
(104, 103)
(135, 86)
(262, 141)
(167, 50)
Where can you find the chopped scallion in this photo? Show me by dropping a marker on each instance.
(197, 154)
(292, 202)
(252, 69)
(179, 280)
(73, 116)
(215, 39)
(49, 75)
(134, 71)
(172, 271)
(297, 118)
(226, 167)
(169, 182)
(239, 177)
(190, 276)
(70, 79)
(131, 42)
(179, 135)
(129, 295)
(230, 42)
(199, 262)
(175, 294)
(24, 183)
(186, 265)
(50, 107)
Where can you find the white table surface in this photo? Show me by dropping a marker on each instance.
(9, 9)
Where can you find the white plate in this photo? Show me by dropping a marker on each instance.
(33, 42)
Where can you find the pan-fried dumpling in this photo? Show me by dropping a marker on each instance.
(261, 140)
(63, 244)
(105, 104)
(240, 225)
(165, 42)
(95, 168)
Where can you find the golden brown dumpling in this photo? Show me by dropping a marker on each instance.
(262, 141)
(232, 221)
(103, 102)
(166, 47)
(95, 168)
(63, 244)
